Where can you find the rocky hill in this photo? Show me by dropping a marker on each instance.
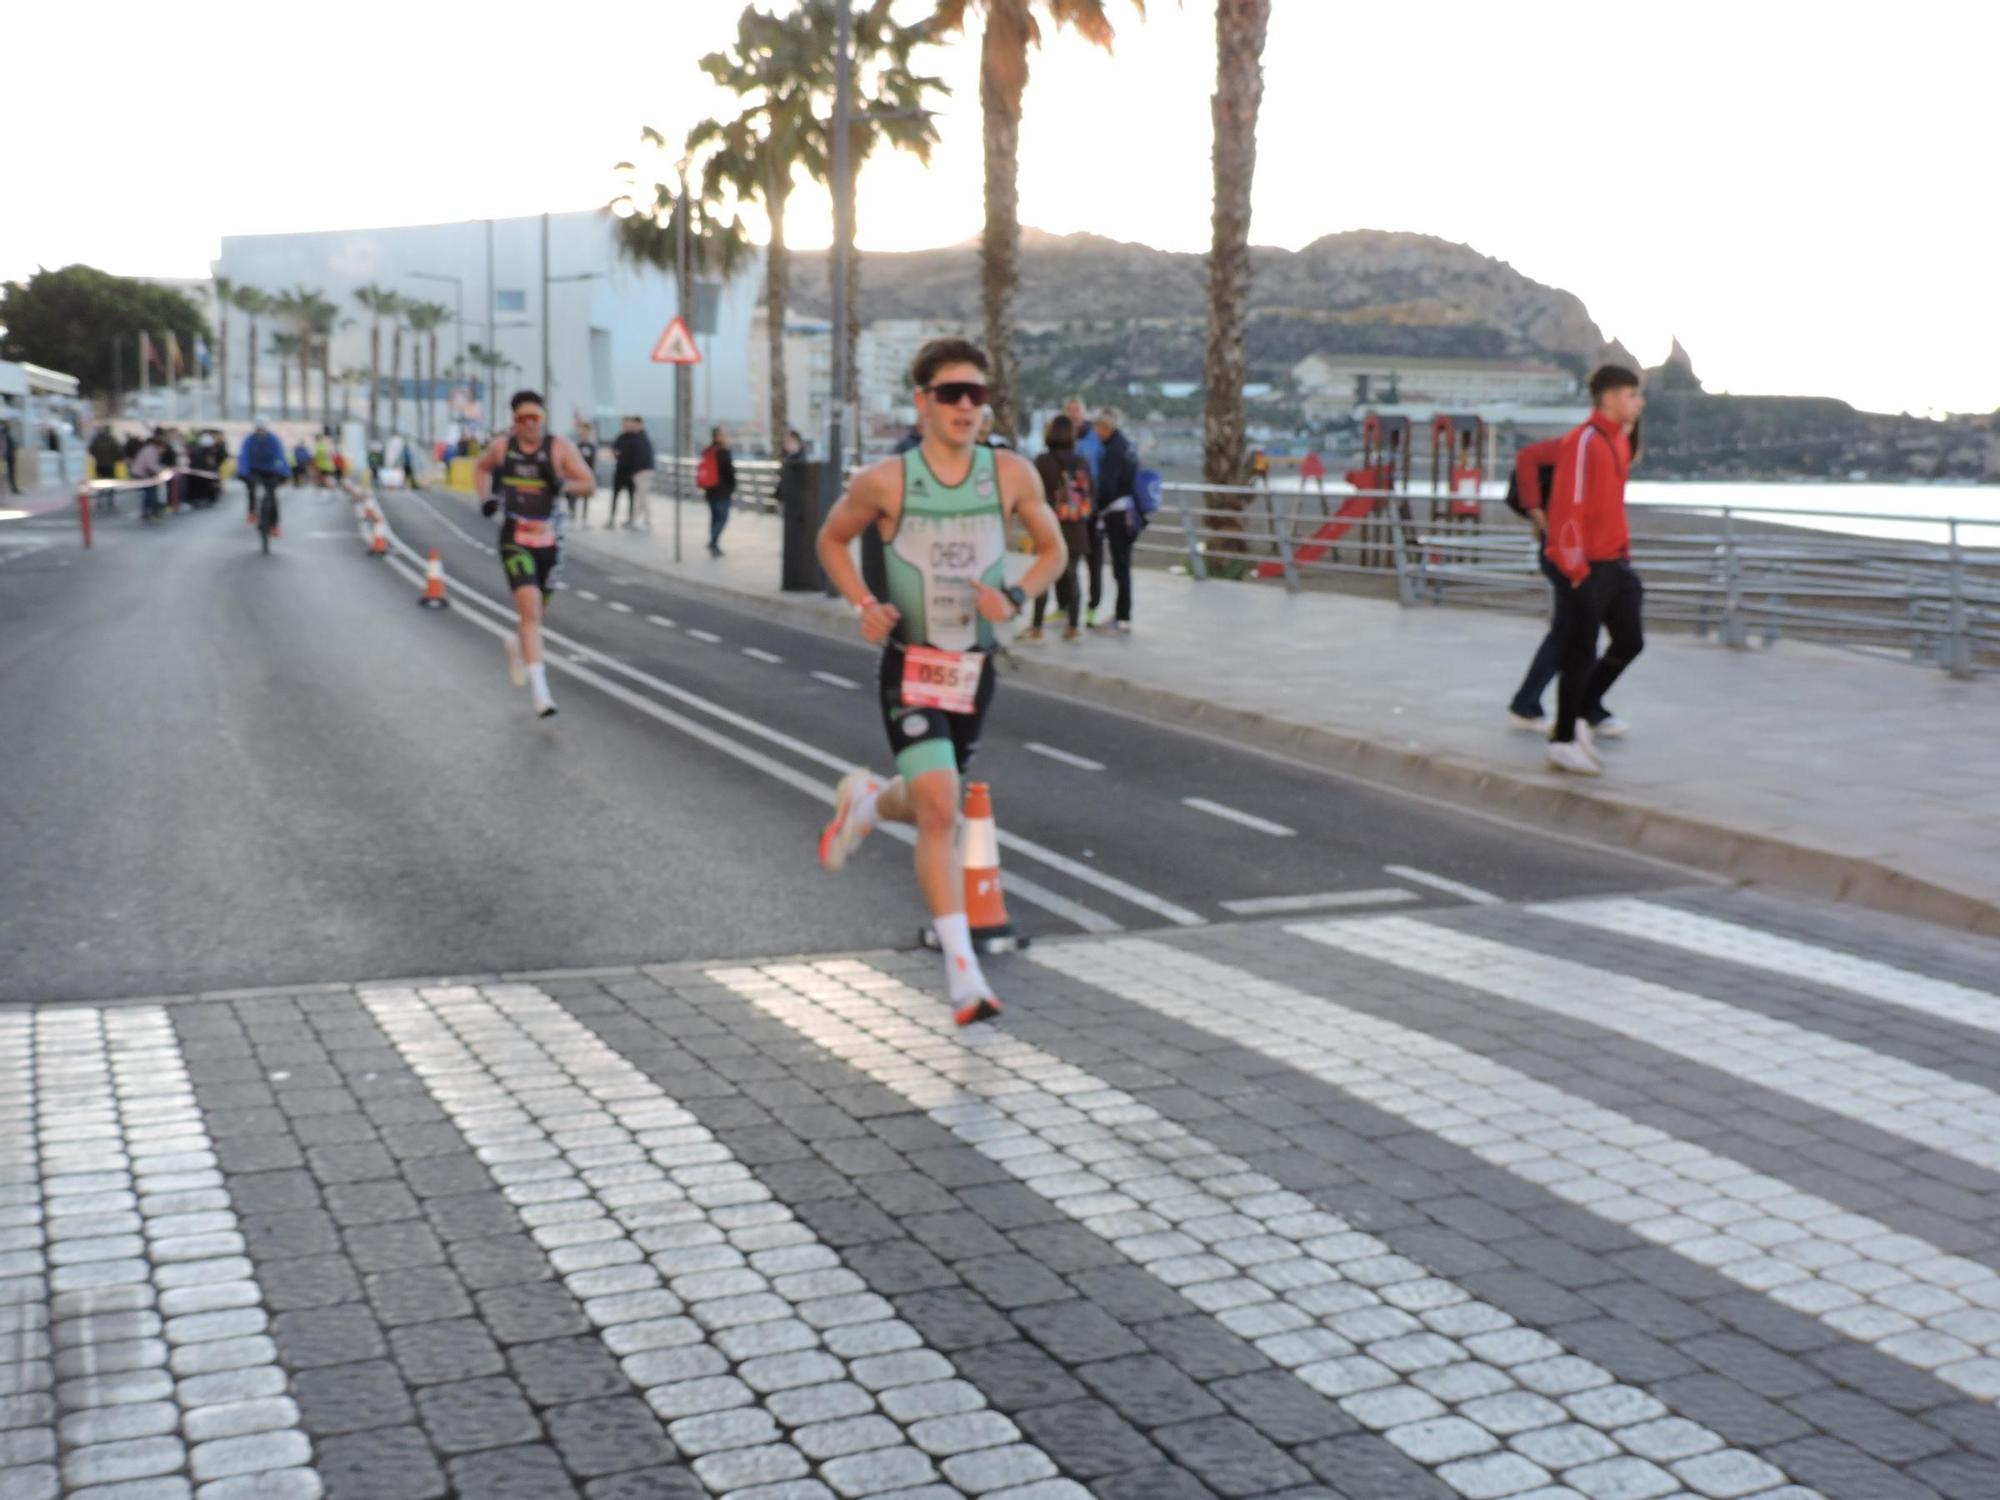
(1088, 305)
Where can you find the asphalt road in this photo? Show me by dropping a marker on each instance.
(228, 770)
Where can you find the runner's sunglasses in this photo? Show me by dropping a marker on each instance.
(528, 415)
(952, 392)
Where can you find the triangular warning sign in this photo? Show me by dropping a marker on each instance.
(676, 345)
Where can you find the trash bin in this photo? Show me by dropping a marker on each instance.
(799, 506)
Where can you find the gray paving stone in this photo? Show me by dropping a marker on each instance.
(420, 1295)
(740, 1427)
(327, 1336)
(525, 1473)
(111, 1424)
(1148, 1391)
(241, 1418)
(859, 1434)
(308, 1282)
(739, 1468)
(531, 1312)
(134, 1458)
(457, 1349)
(606, 1436)
(1087, 1438)
(350, 1398)
(879, 1470)
(252, 1383)
(1017, 1375)
(252, 1453)
(467, 1415)
(664, 1482)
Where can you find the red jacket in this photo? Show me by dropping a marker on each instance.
(1587, 501)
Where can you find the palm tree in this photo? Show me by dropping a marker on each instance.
(302, 304)
(397, 314)
(253, 304)
(425, 318)
(378, 301)
(225, 292)
(1011, 28)
(889, 108)
(752, 157)
(1240, 27)
(284, 346)
(321, 318)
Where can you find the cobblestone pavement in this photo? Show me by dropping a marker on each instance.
(1694, 1195)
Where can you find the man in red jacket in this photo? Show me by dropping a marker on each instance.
(1589, 543)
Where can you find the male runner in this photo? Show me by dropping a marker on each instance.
(535, 469)
(941, 510)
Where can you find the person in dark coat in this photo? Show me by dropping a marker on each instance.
(632, 472)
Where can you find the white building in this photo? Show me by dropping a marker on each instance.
(603, 317)
(1338, 383)
(808, 347)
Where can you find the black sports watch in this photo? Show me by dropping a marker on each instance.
(1018, 595)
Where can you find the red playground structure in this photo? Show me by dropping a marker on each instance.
(1457, 448)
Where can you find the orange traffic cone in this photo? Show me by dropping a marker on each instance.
(378, 541)
(433, 594)
(985, 906)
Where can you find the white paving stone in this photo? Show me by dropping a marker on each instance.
(985, 1086)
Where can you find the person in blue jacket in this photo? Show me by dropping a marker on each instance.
(261, 459)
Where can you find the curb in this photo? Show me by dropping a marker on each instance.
(1750, 858)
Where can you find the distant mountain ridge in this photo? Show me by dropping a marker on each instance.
(1088, 304)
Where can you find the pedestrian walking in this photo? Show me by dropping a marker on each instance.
(1117, 520)
(1066, 476)
(8, 445)
(410, 465)
(105, 451)
(1528, 497)
(715, 477)
(632, 472)
(1590, 543)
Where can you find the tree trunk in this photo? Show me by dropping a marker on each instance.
(1003, 55)
(253, 367)
(396, 378)
(374, 377)
(1240, 26)
(305, 374)
(222, 355)
(326, 379)
(430, 395)
(285, 390)
(777, 292)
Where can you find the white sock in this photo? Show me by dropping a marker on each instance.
(864, 814)
(961, 965)
(538, 678)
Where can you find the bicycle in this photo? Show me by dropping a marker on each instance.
(267, 510)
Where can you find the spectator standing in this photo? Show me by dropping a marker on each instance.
(105, 451)
(301, 464)
(322, 462)
(1528, 496)
(1117, 520)
(1066, 476)
(632, 472)
(146, 464)
(1590, 544)
(716, 477)
(410, 465)
(8, 445)
(586, 449)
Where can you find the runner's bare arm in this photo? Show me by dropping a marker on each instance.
(865, 504)
(1023, 495)
(482, 466)
(570, 464)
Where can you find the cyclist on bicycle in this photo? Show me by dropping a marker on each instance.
(263, 466)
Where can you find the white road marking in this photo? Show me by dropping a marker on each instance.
(1258, 906)
(706, 1252)
(1897, 1292)
(709, 637)
(834, 679)
(621, 608)
(1033, 893)
(1371, 1329)
(662, 621)
(1919, 1104)
(1063, 756)
(1457, 888)
(1248, 820)
(586, 594)
(766, 656)
(1782, 955)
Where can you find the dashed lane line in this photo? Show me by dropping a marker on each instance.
(660, 620)
(1234, 815)
(834, 679)
(708, 636)
(1457, 888)
(765, 656)
(1264, 906)
(618, 606)
(1063, 757)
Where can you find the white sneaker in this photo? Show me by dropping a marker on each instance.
(517, 669)
(844, 834)
(1537, 725)
(545, 706)
(1586, 736)
(1574, 757)
(1611, 727)
(972, 998)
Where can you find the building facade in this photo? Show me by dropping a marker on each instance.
(517, 287)
(1334, 384)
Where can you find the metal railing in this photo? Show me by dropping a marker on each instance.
(1735, 571)
(756, 481)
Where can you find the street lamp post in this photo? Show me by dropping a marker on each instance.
(683, 395)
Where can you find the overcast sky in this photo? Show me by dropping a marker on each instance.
(1803, 192)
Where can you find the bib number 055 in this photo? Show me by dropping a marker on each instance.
(944, 680)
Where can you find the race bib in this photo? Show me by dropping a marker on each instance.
(944, 680)
(534, 533)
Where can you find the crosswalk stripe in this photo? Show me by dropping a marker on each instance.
(1716, 938)
(712, 1294)
(1918, 1104)
(149, 1319)
(1405, 1353)
(1897, 1292)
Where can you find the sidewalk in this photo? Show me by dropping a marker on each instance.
(1808, 767)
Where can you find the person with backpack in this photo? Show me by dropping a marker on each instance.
(715, 477)
(1528, 498)
(1118, 521)
(1066, 476)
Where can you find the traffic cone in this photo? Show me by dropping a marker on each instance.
(985, 906)
(378, 536)
(433, 594)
